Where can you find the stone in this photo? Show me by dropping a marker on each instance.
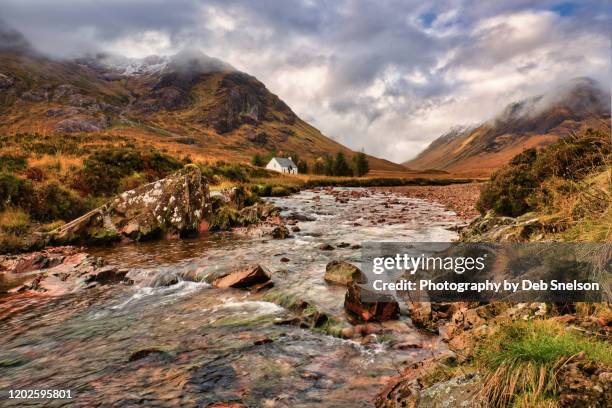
(342, 273)
(38, 260)
(143, 353)
(74, 125)
(177, 205)
(326, 247)
(347, 333)
(259, 138)
(422, 316)
(585, 384)
(106, 275)
(384, 308)
(295, 228)
(461, 391)
(244, 278)
(298, 216)
(6, 81)
(280, 232)
(265, 340)
(226, 404)
(70, 273)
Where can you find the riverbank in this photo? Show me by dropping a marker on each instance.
(460, 198)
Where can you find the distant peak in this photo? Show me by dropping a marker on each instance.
(581, 95)
(194, 61)
(12, 40)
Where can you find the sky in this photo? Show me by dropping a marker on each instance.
(387, 77)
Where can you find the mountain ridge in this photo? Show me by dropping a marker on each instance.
(532, 122)
(188, 104)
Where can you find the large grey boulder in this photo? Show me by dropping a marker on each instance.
(175, 206)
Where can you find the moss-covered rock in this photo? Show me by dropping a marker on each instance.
(176, 205)
(342, 273)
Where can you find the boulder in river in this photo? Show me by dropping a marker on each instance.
(253, 275)
(384, 308)
(280, 232)
(342, 273)
(174, 206)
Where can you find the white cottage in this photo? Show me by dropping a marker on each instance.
(282, 165)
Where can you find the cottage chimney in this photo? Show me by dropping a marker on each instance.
(289, 157)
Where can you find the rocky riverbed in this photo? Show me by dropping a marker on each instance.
(459, 198)
(246, 318)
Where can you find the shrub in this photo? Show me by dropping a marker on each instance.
(510, 188)
(14, 191)
(257, 160)
(575, 156)
(523, 185)
(224, 218)
(12, 162)
(52, 202)
(35, 174)
(14, 221)
(233, 172)
(132, 181)
(104, 169)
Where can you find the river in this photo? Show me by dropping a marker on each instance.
(167, 341)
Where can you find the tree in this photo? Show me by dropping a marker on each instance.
(328, 165)
(341, 167)
(257, 160)
(302, 166)
(319, 166)
(361, 166)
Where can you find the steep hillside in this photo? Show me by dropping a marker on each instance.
(534, 122)
(188, 105)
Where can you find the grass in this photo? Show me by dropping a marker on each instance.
(14, 221)
(522, 360)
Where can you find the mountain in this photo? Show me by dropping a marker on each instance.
(187, 104)
(533, 122)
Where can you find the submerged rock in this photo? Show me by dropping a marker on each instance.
(358, 310)
(143, 353)
(251, 276)
(342, 273)
(44, 259)
(177, 205)
(64, 270)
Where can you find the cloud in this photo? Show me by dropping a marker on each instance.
(388, 76)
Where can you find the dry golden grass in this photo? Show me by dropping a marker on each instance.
(59, 163)
(585, 206)
(14, 221)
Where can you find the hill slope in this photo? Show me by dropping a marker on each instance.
(189, 104)
(533, 122)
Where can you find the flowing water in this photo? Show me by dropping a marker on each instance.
(167, 341)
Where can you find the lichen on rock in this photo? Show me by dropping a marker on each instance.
(175, 206)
